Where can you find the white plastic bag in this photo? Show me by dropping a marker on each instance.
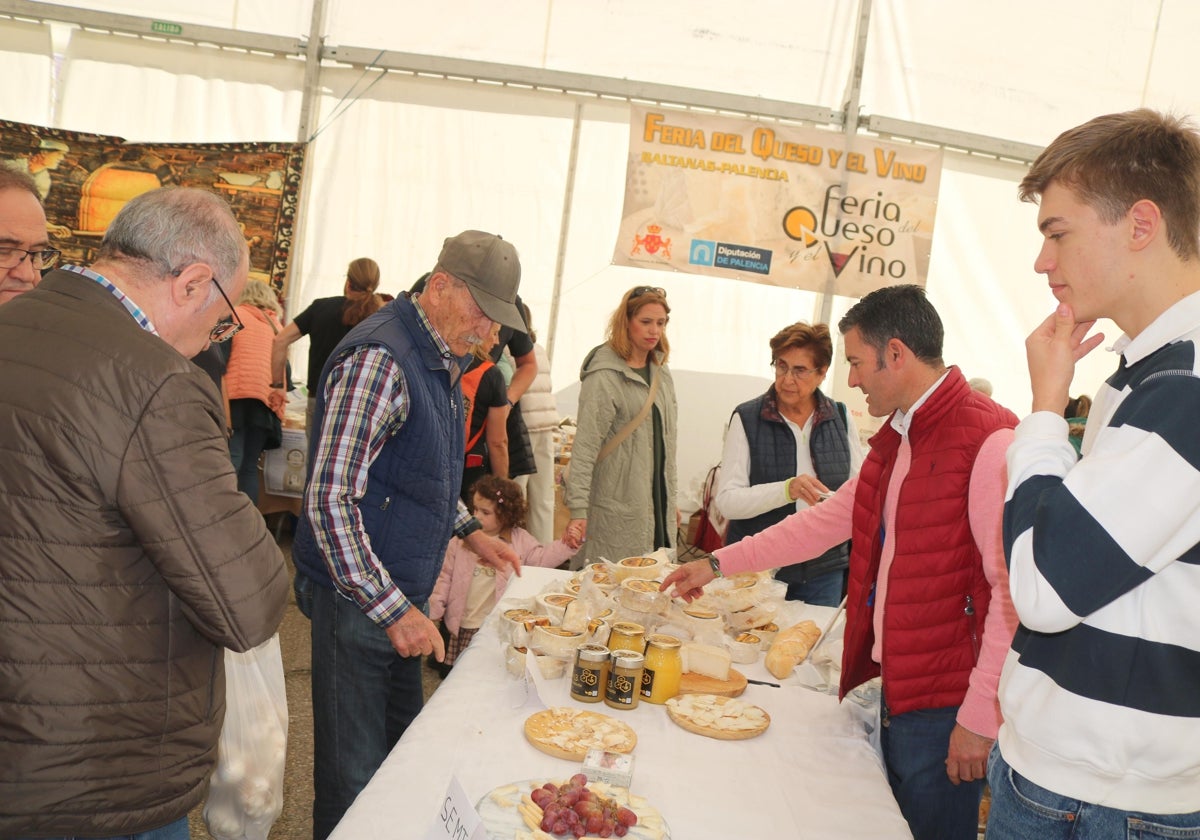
(246, 794)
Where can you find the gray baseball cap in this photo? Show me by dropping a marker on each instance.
(490, 268)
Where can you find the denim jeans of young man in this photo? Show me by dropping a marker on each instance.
(177, 830)
(914, 752)
(823, 590)
(364, 696)
(1022, 810)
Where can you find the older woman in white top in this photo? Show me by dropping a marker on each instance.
(787, 449)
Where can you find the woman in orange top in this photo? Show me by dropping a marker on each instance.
(255, 408)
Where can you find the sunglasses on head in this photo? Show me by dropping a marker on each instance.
(638, 291)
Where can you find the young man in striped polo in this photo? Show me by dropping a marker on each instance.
(1101, 691)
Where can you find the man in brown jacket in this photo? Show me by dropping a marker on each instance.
(24, 244)
(128, 558)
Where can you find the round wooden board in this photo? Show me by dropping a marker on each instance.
(588, 727)
(719, 734)
(691, 683)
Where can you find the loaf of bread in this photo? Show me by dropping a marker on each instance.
(790, 648)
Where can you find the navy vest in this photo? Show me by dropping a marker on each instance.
(411, 499)
(773, 458)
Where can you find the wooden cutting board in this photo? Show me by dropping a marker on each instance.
(691, 683)
(673, 711)
(569, 733)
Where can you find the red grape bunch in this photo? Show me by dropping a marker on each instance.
(574, 810)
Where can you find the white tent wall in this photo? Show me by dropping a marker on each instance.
(26, 65)
(404, 160)
(414, 161)
(776, 49)
(154, 91)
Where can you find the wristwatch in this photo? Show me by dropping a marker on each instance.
(469, 527)
(716, 566)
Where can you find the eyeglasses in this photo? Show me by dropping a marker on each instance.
(782, 369)
(225, 330)
(40, 259)
(648, 290)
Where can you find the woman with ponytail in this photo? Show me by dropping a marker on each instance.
(326, 322)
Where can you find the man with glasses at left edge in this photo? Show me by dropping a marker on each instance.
(24, 247)
(128, 558)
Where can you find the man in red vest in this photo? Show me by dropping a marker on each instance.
(927, 605)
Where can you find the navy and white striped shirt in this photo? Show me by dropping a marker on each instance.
(1101, 690)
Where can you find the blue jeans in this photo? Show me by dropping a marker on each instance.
(302, 587)
(245, 447)
(914, 752)
(364, 696)
(823, 590)
(177, 830)
(1022, 810)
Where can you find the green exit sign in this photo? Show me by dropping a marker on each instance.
(165, 28)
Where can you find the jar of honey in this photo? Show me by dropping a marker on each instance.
(590, 677)
(663, 669)
(624, 680)
(626, 635)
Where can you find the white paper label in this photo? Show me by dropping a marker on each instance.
(456, 818)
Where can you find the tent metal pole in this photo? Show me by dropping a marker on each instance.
(309, 116)
(564, 230)
(824, 303)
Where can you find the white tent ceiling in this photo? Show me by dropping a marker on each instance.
(401, 159)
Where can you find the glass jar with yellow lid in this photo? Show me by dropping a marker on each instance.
(627, 635)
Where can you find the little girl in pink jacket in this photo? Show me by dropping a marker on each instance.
(466, 590)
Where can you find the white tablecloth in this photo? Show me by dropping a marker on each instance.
(812, 774)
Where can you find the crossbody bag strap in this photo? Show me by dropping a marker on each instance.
(619, 438)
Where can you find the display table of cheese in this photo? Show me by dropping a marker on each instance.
(813, 773)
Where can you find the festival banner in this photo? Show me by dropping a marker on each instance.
(84, 179)
(776, 204)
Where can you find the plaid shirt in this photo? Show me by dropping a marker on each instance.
(366, 402)
(126, 301)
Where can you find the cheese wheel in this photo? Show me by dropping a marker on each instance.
(550, 667)
(647, 568)
(575, 617)
(767, 633)
(641, 594)
(554, 604)
(555, 641)
(516, 624)
(742, 592)
(598, 575)
(597, 632)
(704, 625)
(750, 617)
(744, 648)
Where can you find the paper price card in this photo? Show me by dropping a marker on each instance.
(456, 817)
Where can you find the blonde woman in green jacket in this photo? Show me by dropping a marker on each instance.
(620, 488)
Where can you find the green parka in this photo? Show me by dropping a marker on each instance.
(615, 495)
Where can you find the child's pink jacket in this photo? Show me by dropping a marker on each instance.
(449, 598)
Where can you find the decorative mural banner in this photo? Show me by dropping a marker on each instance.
(84, 179)
(776, 204)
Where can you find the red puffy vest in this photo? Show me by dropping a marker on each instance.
(937, 595)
